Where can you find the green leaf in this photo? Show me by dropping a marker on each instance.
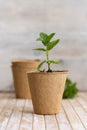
(39, 39)
(70, 89)
(50, 37)
(43, 38)
(52, 44)
(54, 62)
(40, 49)
(43, 35)
(40, 65)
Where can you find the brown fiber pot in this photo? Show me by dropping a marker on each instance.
(20, 69)
(47, 90)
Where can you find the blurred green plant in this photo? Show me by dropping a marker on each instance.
(70, 89)
(48, 46)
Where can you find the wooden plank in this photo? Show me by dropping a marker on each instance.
(30, 119)
(6, 113)
(63, 121)
(80, 112)
(38, 122)
(12, 95)
(27, 118)
(2, 95)
(83, 94)
(6, 95)
(30, 106)
(72, 116)
(14, 122)
(3, 103)
(51, 122)
(83, 103)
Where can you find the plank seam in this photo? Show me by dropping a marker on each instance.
(4, 106)
(33, 121)
(67, 118)
(11, 114)
(80, 105)
(57, 122)
(77, 115)
(45, 122)
(21, 115)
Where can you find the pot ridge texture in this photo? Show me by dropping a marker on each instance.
(47, 90)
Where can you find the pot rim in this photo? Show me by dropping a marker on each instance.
(50, 73)
(24, 60)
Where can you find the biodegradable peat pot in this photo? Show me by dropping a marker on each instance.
(47, 90)
(19, 69)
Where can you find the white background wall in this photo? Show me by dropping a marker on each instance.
(22, 20)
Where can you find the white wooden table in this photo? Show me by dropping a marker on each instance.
(17, 114)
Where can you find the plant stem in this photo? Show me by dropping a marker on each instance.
(47, 56)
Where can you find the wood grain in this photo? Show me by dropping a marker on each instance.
(18, 114)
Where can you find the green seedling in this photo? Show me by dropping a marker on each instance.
(48, 44)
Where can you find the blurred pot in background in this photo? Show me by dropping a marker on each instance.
(19, 69)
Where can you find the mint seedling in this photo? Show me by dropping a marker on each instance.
(48, 44)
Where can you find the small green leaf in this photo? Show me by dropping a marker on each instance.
(40, 65)
(39, 39)
(52, 44)
(40, 49)
(54, 62)
(50, 37)
(43, 37)
(42, 40)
